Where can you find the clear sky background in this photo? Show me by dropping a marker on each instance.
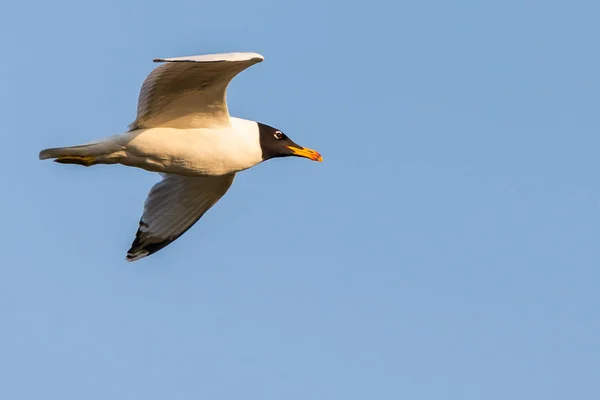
(446, 248)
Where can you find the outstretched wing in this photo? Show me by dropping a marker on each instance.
(189, 92)
(172, 207)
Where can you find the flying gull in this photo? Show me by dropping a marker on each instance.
(183, 131)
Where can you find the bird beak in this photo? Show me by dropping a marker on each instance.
(306, 153)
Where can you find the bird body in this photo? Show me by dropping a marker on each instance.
(194, 152)
(189, 152)
(183, 131)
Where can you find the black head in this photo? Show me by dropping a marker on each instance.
(275, 143)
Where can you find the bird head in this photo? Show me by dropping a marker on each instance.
(274, 143)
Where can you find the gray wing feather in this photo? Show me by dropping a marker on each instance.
(173, 205)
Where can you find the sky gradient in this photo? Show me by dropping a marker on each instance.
(446, 248)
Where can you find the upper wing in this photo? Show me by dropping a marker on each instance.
(189, 92)
(172, 207)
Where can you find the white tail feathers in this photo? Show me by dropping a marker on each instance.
(86, 154)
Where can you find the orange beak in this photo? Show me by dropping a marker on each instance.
(306, 153)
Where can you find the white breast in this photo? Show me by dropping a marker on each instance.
(194, 151)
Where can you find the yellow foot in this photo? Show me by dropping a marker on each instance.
(80, 160)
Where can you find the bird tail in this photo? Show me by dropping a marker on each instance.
(102, 152)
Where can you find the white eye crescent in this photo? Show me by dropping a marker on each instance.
(278, 135)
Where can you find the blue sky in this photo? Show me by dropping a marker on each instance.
(446, 248)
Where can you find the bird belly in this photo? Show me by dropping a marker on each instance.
(190, 152)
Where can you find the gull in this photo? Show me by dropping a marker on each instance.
(183, 131)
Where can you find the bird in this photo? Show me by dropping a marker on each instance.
(184, 132)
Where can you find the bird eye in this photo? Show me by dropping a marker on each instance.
(278, 135)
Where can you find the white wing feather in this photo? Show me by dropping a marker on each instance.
(173, 205)
(190, 92)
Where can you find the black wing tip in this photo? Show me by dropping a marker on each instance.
(137, 250)
(143, 246)
(136, 255)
